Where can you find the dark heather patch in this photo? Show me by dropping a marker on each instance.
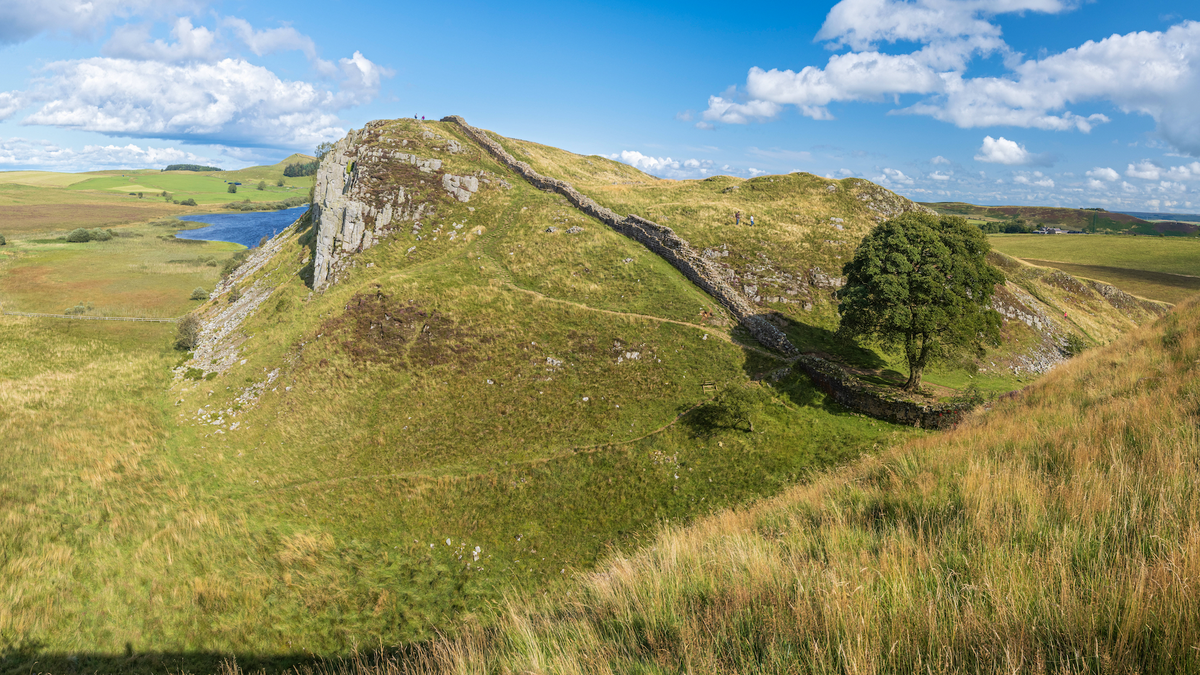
(379, 329)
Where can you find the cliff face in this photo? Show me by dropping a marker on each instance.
(365, 192)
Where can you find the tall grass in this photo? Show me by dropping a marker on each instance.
(1058, 532)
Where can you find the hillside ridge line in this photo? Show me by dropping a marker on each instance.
(659, 239)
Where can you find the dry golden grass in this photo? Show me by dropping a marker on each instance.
(1058, 532)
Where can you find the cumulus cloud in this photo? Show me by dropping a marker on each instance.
(10, 103)
(229, 101)
(891, 176)
(1146, 170)
(939, 160)
(665, 167)
(1036, 179)
(1155, 73)
(40, 154)
(1151, 170)
(21, 20)
(132, 41)
(1104, 173)
(938, 175)
(1003, 151)
(723, 110)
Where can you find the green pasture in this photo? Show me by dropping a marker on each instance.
(204, 188)
(137, 273)
(1160, 268)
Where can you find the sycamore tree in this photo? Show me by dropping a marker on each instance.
(922, 285)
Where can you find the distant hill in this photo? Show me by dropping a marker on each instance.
(1178, 217)
(191, 167)
(1087, 220)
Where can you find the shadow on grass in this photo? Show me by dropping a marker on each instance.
(814, 339)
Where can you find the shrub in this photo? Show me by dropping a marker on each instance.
(100, 235)
(200, 293)
(262, 185)
(233, 262)
(188, 333)
(191, 167)
(3, 241)
(188, 202)
(235, 294)
(279, 183)
(194, 374)
(232, 189)
(1073, 345)
(79, 235)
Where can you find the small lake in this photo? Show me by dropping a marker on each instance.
(245, 228)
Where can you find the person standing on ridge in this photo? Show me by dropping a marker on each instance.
(737, 217)
(751, 221)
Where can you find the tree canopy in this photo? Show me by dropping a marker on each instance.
(922, 284)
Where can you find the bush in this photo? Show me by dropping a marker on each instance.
(279, 183)
(262, 185)
(1073, 345)
(79, 235)
(235, 294)
(232, 189)
(300, 169)
(200, 293)
(188, 335)
(3, 241)
(188, 202)
(191, 167)
(100, 235)
(233, 262)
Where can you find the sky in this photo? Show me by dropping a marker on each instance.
(1023, 102)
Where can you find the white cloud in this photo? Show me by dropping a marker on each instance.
(132, 41)
(1155, 73)
(1126, 186)
(10, 103)
(21, 20)
(1146, 170)
(1036, 179)
(1003, 151)
(893, 176)
(39, 154)
(938, 175)
(230, 101)
(730, 112)
(1096, 184)
(1104, 173)
(666, 167)
(939, 160)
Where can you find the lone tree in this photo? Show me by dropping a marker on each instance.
(922, 284)
(188, 335)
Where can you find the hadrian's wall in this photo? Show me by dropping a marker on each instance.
(658, 238)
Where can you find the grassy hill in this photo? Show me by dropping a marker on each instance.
(1054, 533)
(496, 400)
(1087, 220)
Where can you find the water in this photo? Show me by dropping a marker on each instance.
(245, 228)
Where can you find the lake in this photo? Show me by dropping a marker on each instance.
(245, 228)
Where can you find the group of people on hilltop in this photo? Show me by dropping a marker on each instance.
(737, 218)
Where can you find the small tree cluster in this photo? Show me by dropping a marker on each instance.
(188, 334)
(199, 294)
(3, 241)
(80, 235)
(232, 189)
(262, 185)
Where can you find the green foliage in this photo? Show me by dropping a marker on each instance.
(232, 263)
(78, 236)
(3, 241)
(248, 205)
(921, 284)
(232, 189)
(301, 169)
(262, 185)
(190, 167)
(194, 374)
(234, 295)
(100, 235)
(323, 149)
(199, 294)
(187, 334)
(188, 202)
(989, 227)
(1074, 344)
(279, 183)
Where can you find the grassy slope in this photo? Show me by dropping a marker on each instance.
(322, 519)
(1058, 532)
(794, 233)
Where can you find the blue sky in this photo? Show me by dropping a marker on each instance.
(1054, 102)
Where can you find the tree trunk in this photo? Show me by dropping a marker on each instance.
(914, 377)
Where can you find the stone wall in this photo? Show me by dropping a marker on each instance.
(662, 240)
(851, 392)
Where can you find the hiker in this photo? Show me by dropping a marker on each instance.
(737, 217)
(751, 221)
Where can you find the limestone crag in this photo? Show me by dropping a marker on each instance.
(662, 240)
(366, 191)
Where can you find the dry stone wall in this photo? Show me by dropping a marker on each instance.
(853, 393)
(662, 240)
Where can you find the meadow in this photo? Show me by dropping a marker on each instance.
(1056, 532)
(1159, 268)
(313, 497)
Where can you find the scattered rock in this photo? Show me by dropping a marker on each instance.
(574, 229)
(551, 229)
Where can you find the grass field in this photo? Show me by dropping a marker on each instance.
(533, 412)
(1145, 266)
(1055, 533)
(136, 273)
